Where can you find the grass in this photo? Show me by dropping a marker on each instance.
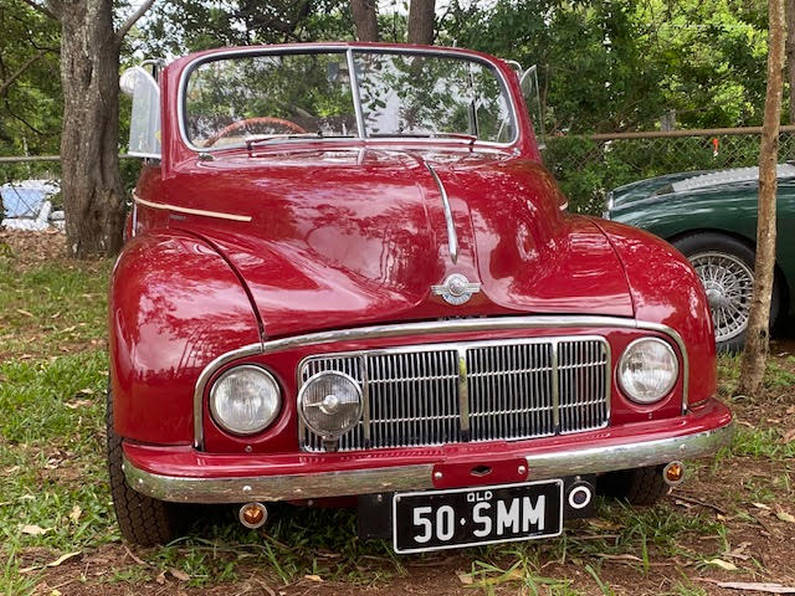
(55, 500)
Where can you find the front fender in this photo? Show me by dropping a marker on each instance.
(665, 289)
(174, 305)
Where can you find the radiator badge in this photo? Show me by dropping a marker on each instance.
(456, 289)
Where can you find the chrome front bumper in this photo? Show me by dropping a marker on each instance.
(540, 466)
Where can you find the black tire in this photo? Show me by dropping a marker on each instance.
(641, 486)
(695, 246)
(142, 520)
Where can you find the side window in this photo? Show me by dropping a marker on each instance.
(145, 118)
(532, 99)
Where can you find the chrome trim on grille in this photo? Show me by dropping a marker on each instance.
(555, 389)
(423, 328)
(463, 390)
(510, 389)
(541, 466)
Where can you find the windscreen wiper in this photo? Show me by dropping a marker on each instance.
(431, 135)
(264, 139)
(455, 135)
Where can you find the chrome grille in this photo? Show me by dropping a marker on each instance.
(448, 393)
(510, 391)
(582, 385)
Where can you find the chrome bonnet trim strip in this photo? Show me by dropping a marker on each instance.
(176, 208)
(417, 477)
(452, 237)
(426, 328)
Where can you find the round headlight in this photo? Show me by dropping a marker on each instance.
(330, 403)
(648, 370)
(245, 399)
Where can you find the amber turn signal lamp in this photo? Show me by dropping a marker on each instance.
(253, 515)
(674, 473)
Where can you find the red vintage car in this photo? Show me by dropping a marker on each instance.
(349, 278)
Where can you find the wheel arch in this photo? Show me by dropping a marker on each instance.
(781, 278)
(174, 305)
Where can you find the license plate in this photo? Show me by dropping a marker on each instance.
(434, 520)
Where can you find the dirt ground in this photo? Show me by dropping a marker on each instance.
(732, 521)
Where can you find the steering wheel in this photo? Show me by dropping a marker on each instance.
(238, 124)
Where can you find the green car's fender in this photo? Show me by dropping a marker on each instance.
(729, 208)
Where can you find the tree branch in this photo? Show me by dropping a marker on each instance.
(22, 120)
(133, 18)
(41, 8)
(20, 71)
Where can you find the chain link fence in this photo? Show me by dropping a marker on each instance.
(589, 166)
(586, 166)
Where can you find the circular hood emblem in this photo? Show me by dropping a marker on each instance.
(456, 289)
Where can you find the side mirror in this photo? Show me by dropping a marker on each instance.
(145, 119)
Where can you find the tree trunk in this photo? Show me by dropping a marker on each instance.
(420, 26)
(90, 178)
(757, 340)
(791, 57)
(365, 19)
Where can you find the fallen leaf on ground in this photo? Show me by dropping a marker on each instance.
(722, 564)
(55, 563)
(789, 436)
(739, 552)
(33, 530)
(161, 578)
(604, 524)
(465, 578)
(770, 588)
(80, 403)
(75, 513)
(623, 557)
(761, 506)
(179, 574)
(265, 586)
(313, 578)
(138, 559)
(25, 313)
(784, 516)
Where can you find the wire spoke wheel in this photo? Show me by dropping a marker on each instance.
(728, 282)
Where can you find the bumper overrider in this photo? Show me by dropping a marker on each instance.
(184, 474)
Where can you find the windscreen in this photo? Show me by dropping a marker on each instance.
(231, 100)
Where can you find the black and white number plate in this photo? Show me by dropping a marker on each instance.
(437, 519)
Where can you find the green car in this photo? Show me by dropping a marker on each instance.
(711, 218)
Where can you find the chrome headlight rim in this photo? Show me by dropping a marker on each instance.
(671, 383)
(216, 418)
(300, 403)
